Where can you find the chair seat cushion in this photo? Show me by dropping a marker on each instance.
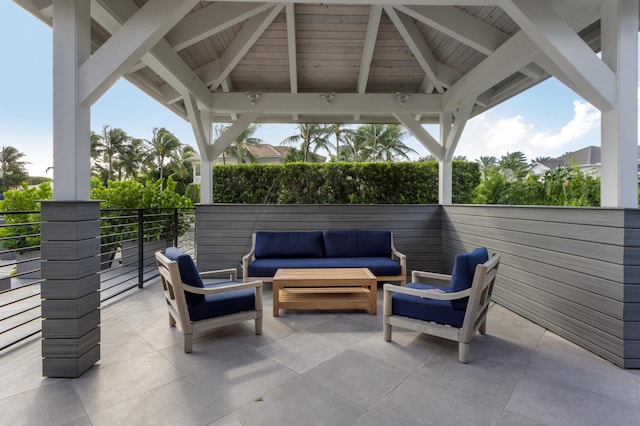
(188, 273)
(379, 266)
(439, 311)
(221, 304)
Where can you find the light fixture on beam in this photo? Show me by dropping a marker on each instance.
(327, 97)
(253, 97)
(402, 98)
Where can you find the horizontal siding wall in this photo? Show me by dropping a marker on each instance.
(574, 271)
(223, 231)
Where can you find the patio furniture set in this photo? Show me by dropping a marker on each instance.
(332, 270)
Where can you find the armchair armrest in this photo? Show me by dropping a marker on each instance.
(247, 258)
(222, 288)
(422, 276)
(392, 288)
(402, 258)
(233, 273)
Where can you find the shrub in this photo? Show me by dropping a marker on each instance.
(23, 229)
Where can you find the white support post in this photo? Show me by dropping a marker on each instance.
(71, 120)
(445, 166)
(619, 171)
(206, 181)
(201, 125)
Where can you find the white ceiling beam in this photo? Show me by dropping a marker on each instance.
(417, 44)
(201, 125)
(427, 2)
(125, 47)
(593, 78)
(509, 58)
(291, 46)
(240, 45)
(111, 15)
(425, 138)
(227, 87)
(313, 103)
(461, 118)
(375, 12)
(459, 25)
(211, 20)
(231, 133)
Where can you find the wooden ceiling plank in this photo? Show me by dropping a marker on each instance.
(594, 79)
(416, 43)
(242, 43)
(211, 20)
(373, 24)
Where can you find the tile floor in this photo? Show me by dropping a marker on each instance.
(311, 368)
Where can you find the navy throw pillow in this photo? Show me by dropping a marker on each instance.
(188, 273)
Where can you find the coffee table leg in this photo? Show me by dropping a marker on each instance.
(276, 299)
(373, 288)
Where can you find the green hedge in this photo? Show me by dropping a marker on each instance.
(340, 183)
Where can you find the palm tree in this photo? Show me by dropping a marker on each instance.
(486, 163)
(12, 167)
(513, 164)
(312, 137)
(110, 145)
(341, 134)
(164, 146)
(132, 158)
(390, 146)
(239, 147)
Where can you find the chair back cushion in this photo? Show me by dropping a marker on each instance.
(464, 267)
(283, 245)
(188, 273)
(357, 243)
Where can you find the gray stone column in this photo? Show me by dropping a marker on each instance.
(70, 233)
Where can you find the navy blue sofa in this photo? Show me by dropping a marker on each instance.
(370, 249)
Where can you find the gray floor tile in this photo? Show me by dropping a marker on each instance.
(513, 419)
(344, 329)
(302, 351)
(560, 360)
(104, 386)
(551, 402)
(357, 377)
(299, 402)
(51, 405)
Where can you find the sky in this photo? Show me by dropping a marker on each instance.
(548, 120)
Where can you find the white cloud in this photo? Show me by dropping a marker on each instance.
(508, 134)
(586, 118)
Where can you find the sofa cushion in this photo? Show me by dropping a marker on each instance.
(464, 267)
(356, 243)
(425, 309)
(188, 273)
(379, 266)
(289, 245)
(221, 304)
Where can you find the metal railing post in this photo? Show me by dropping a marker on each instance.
(176, 225)
(140, 248)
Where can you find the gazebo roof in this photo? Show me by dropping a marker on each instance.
(343, 62)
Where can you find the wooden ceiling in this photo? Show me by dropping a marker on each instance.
(352, 62)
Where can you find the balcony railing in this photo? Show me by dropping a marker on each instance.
(129, 239)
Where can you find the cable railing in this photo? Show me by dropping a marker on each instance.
(128, 240)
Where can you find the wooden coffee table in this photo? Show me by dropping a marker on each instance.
(327, 288)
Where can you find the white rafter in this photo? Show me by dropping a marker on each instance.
(111, 14)
(201, 125)
(369, 45)
(126, 46)
(417, 44)
(425, 138)
(593, 78)
(211, 20)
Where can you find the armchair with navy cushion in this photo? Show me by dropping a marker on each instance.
(450, 306)
(194, 305)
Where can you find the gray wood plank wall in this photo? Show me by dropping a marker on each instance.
(572, 270)
(223, 231)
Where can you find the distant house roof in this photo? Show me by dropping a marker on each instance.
(584, 156)
(264, 154)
